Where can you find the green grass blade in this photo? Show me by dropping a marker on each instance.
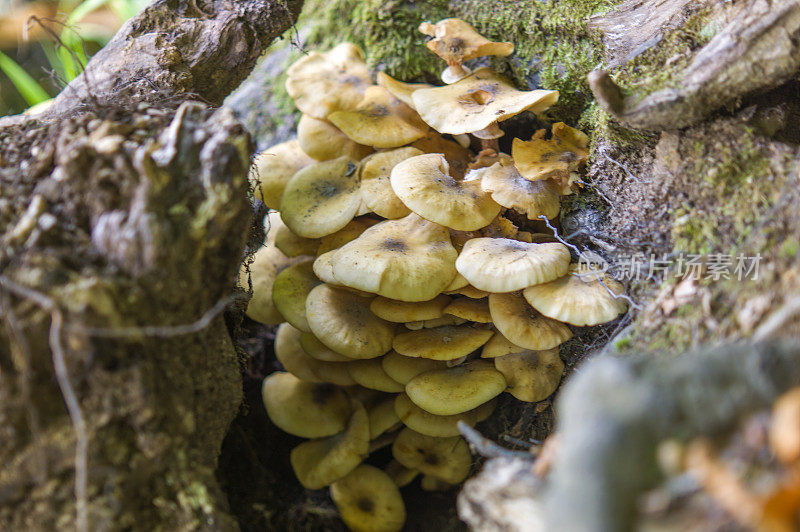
(25, 84)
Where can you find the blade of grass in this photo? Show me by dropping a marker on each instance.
(25, 84)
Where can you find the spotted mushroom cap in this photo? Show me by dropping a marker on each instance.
(275, 166)
(424, 185)
(321, 198)
(380, 120)
(477, 102)
(505, 265)
(579, 297)
(322, 83)
(368, 500)
(448, 459)
(531, 375)
(323, 141)
(525, 326)
(509, 189)
(410, 259)
(376, 187)
(457, 389)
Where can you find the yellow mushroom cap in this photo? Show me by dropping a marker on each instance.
(498, 345)
(382, 416)
(319, 351)
(320, 462)
(342, 321)
(505, 265)
(323, 268)
(380, 120)
(429, 424)
(424, 185)
(470, 309)
(290, 244)
(402, 368)
(322, 83)
(334, 372)
(289, 292)
(268, 261)
(579, 298)
(321, 198)
(346, 234)
(369, 501)
(370, 374)
(409, 259)
(447, 459)
(468, 291)
(456, 41)
(531, 375)
(398, 89)
(403, 311)
(290, 354)
(376, 187)
(400, 474)
(457, 283)
(556, 158)
(447, 319)
(323, 141)
(523, 325)
(458, 389)
(305, 409)
(275, 166)
(448, 342)
(509, 189)
(457, 156)
(477, 102)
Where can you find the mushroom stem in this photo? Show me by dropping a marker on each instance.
(455, 72)
(490, 144)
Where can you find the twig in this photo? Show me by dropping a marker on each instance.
(778, 319)
(605, 154)
(486, 447)
(555, 234)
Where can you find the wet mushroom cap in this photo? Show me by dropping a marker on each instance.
(458, 389)
(380, 120)
(323, 141)
(424, 185)
(376, 187)
(305, 409)
(275, 166)
(370, 374)
(579, 298)
(504, 265)
(320, 462)
(342, 321)
(525, 326)
(322, 83)
(448, 342)
(402, 368)
(321, 198)
(404, 311)
(369, 500)
(289, 292)
(477, 102)
(429, 424)
(531, 375)
(447, 459)
(509, 189)
(409, 259)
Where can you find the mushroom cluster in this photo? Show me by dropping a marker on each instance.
(405, 299)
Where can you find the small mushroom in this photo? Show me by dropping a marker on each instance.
(448, 342)
(321, 198)
(376, 187)
(369, 500)
(323, 141)
(505, 265)
(409, 259)
(582, 297)
(458, 389)
(477, 103)
(424, 185)
(380, 120)
(531, 375)
(447, 459)
(455, 41)
(429, 424)
(342, 321)
(320, 462)
(370, 374)
(557, 158)
(402, 368)
(322, 83)
(275, 166)
(525, 326)
(305, 409)
(509, 189)
(404, 311)
(289, 292)
(475, 310)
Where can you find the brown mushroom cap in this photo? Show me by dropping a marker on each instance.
(429, 424)
(369, 501)
(376, 187)
(322, 83)
(531, 375)
(454, 390)
(275, 166)
(509, 189)
(380, 120)
(525, 326)
(448, 459)
(404, 311)
(323, 141)
(477, 102)
(505, 265)
(580, 298)
(448, 342)
(409, 259)
(424, 185)
(342, 321)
